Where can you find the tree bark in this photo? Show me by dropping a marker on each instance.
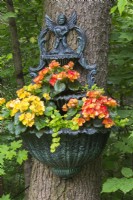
(27, 174)
(15, 46)
(94, 18)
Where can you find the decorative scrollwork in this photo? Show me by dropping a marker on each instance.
(91, 71)
(61, 49)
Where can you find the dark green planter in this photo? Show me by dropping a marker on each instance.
(66, 96)
(74, 151)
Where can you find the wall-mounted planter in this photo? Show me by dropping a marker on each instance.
(77, 148)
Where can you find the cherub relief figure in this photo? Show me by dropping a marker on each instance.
(60, 30)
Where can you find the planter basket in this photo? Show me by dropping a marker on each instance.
(76, 149)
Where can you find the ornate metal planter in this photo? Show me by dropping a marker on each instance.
(77, 148)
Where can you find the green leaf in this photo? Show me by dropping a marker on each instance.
(4, 149)
(20, 128)
(11, 127)
(121, 5)
(10, 154)
(5, 113)
(16, 144)
(74, 86)
(1, 159)
(46, 89)
(16, 119)
(5, 197)
(47, 78)
(40, 123)
(127, 172)
(110, 185)
(125, 113)
(32, 40)
(55, 135)
(114, 184)
(124, 147)
(59, 86)
(21, 156)
(113, 9)
(2, 172)
(49, 111)
(9, 56)
(56, 140)
(39, 134)
(51, 104)
(128, 36)
(71, 112)
(8, 15)
(126, 184)
(131, 135)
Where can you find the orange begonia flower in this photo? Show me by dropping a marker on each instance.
(61, 75)
(43, 72)
(38, 79)
(54, 64)
(72, 103)
(94, 94)
(111, 102)
(108, 123)
(71, 64)
(64, 107)
(80, 121)
(72, 75)
(66, 67)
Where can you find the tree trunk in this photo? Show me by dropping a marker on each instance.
(94, 18)
(15, 46)
(1, 186)
(19, 78)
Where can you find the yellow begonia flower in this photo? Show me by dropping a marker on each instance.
(13, 112)
(2, 101)
(33, 98)
(46, 96)
(21, 117)
(27, 119)
(14, 106)
(13, 103)
(22, 93)
(1, 118)
(32, 87)
(37, 107)
(24, 105)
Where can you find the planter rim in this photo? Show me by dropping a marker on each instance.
(67, 131)
(70, 96)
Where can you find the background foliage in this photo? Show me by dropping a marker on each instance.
(118, 159)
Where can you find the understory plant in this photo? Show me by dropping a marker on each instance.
(36, 111)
